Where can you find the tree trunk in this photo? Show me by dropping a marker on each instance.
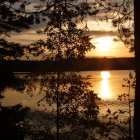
(137, 62)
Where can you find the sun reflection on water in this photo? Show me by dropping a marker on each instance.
(105, 89)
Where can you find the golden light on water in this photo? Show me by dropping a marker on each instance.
(105, 89)
(105, 75)
(105, 94)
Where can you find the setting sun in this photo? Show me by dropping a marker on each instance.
(104, 44)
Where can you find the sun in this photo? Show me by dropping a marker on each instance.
(104, 44)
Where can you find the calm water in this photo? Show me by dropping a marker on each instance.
(107, 84)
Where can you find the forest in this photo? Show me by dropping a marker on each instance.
(84, 64)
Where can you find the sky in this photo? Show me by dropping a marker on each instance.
(102, 37)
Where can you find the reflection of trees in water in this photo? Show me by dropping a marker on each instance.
(12, 118)
(10, 80)
(78, 108)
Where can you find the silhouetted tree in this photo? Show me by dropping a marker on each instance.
(66, 41)
(78, 109)
(137, 58)
(127, 21)
(12, 19)
(122, 119)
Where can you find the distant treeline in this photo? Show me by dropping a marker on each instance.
(85, 64)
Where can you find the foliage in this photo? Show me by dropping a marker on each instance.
(12, 19)
(73, 105)
(77, 104)
(9, 80)
(122, 119)
(67, 94)
(63, 38)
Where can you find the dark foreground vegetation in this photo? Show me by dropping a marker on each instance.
(85, 64)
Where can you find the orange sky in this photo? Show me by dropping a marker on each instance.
(102, 37)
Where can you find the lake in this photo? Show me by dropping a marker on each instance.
(107, 85)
